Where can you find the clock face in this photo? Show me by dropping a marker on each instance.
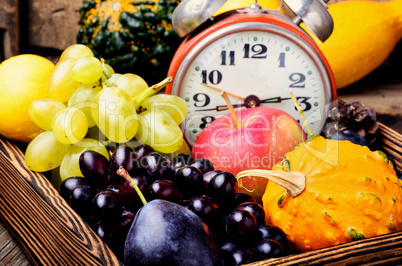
(256, 65)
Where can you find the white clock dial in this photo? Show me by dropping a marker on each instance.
(254, 59)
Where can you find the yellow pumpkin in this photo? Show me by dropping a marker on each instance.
(346, 192)
(365, 33)
(237, 4)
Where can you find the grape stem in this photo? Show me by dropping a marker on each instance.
(123, 173)
(104, 73)
(140, 99)
(293, 182)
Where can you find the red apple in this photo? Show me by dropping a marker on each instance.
(263, 137)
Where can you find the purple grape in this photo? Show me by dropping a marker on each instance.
(143, 150)
(189, 180)
(129, 196)
(274, 233)
(69, 184)
(81, 200)
(164, 189)
(205, 207)
(267, 249)
(256, 209)
(156, 166)
(208, 176)
(126, 219)
(241, 256)
(241, 198)
(95, 168)
(203, 164)
(223, 188)
(180, 160)
(107, 206)
(126, 157)
(111, 237)
(234, 255)
(240, 224)
(228, 248)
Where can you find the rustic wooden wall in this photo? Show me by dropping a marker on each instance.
(52, 23)
(9, 28)
(37, 26)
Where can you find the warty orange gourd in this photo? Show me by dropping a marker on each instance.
(346, 193)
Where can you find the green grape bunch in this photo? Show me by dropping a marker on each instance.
(90, 106)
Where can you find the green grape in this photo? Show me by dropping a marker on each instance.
(87, 70)
(159, 130)
(82, 100)
(70, 125)
(108, 71)
(44, 152)
(95, 133)
(55, 178)
(175, 106)
(115, 114)
(132, 84)
(112, 81)
(76, 51)
(60, 83)
(70, 165)
(43, 110)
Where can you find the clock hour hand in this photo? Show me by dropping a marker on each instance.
(249, 102)
(221, 107)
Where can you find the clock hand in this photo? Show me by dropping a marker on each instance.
(252, 101)
(228, 93)
(221, 108)
(249, 102)
(272, 100)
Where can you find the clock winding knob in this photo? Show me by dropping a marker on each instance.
(190, 14)
(314, 14)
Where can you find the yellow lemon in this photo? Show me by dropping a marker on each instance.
(236, 4)
(22, 80)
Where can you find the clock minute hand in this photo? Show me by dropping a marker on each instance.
(228, 93)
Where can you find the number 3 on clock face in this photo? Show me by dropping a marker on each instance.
(257, 63)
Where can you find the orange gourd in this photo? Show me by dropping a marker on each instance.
(346, 192)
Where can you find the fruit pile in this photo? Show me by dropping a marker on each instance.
(109, 203)
(114, 145)
(88, 103)
(96, 121)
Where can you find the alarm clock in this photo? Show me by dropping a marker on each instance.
(257, 56)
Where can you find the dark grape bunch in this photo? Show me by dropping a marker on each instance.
(108, 203)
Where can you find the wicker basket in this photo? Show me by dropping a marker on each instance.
(51, 233)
